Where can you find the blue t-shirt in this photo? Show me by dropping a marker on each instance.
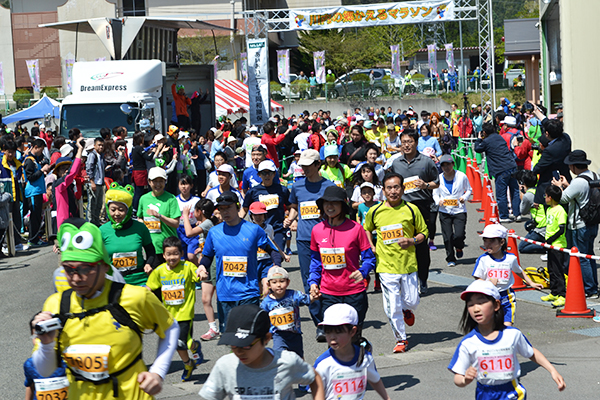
(268, 196)
(449, 184)
(363, 209)
(305, 194)
(31, 373)
(237, 246)
(250, 178)
(429, 141)
(279, 311)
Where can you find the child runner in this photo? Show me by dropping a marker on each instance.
(337, 245)
(556, 224)
(203, 213)
(187, 201)
(176, 279)
(488, 352)
(346, 367)
(367, 192)
(38, 387)
(498, 266)
(295, 170)
(332, 169)
(253, 368)
(366, 173)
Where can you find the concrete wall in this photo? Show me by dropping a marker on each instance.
(580, 87)
(6, 54)
(338, 107)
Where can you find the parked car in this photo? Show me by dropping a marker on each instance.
(345, 85)
(286, 91)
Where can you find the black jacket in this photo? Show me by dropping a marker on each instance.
(498, 156)
(552, 159)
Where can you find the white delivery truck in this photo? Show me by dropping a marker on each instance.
(101, 88)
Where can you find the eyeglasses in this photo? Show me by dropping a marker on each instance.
(246, 347)
(82, 270)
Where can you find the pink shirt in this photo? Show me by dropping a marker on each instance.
(340, 249)
(61, 194)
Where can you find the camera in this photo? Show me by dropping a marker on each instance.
(527, 106)
(82, 143)
(520, 139)
(49, 325)
(595, 184)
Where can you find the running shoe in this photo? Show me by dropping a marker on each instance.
(452, 264)
(549, 297)
(544, 257)
(210, 335)
(377, 286)
(22, 247)
(409, 317)
(288, 251)
(186, 375)
(197, 355)
(38, 243)
(559, 302)
(432, 246)
(505, 220)
(321, 336)
(596, 318)
(459, 253)
(401, 346)
(592, 295)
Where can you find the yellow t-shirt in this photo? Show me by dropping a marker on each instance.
(178, 287)
(106, 344)
(391, 224)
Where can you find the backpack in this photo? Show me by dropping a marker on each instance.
(590, 213)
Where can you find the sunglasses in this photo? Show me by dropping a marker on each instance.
(82, 270)
(247, 347)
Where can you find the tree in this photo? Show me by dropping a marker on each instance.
(201, 49)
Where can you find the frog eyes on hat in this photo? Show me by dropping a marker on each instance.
(64, 241)
(83, 240)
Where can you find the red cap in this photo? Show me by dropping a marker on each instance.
(258, 208)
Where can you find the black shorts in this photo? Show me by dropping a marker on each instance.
(186, 330)
(359, 301)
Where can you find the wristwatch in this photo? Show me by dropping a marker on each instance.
(427, 185)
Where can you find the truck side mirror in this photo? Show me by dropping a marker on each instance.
(126, 109)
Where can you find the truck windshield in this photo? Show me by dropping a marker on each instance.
(90, 118)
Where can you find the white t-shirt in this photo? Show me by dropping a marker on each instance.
(214, 193)
(213, 180)
(190, 202)
(301, 140)
(248, 144)
(487, 267)
(296, 169)
(496, 360)
(357, 198)
(346, 380)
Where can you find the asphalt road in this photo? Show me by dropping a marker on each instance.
(571, 344)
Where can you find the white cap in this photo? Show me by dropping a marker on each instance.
(308, 157)
(266, 165)
(473, 105)
(226, 168)
(89, 144)
(480, 286)
(277, 272)
(494, 231)
(367, 184)
(340, 314)
(66, 150)
(231, 139)
(488, 103)
(510, 120)
(159, 136)
(213, 129)
(500, 108)
(359, 118)
(253, 128)
(42, 126)
(157, 172)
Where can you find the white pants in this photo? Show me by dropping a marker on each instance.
(400, 292)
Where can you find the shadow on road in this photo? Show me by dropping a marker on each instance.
(402, 381)
(430, 338)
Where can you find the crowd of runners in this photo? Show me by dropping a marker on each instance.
(360, 193)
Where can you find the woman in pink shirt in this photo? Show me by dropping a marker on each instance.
(337, 245)
(64, 196)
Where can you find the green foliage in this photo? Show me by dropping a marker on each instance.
(22, 97)
(275, 87)
(201, 49)
(300, 85)
(360, 78)
(50, 91)
(418, 76)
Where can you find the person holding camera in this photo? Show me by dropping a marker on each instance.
(96, 326)
(502, 167)
(63, 193)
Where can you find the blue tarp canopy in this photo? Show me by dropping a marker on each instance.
(37, 111)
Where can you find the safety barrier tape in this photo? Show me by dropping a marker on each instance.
(546, 245)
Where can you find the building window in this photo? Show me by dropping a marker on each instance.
(134, 8)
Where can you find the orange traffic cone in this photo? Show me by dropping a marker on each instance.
(513, 248)
(493, 219)
(469, 172)
(575, 305)
(476, 184)
(486, 188)
(487, 202)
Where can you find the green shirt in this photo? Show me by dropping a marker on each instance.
(556, 216)
(124, 247)
(337, 176)
(178, 288)
(391, 224)
(166, 204)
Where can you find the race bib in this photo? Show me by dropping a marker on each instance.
(262, 254)
(173, 295)
(409, 184)
(153, 224)
(282, 318)
(450, 202)
(309, 210)
(235, 266)
(125, 261)
(497, 364)
(88, 360)
(271, 201)
(339, 184)
(391, 233)
(349, 385)
(500, 272)
(333, 258)
(52, 388)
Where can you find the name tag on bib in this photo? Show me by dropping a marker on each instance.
(88, 360)
(173, 295)
(409, 184)
(349, 385)
(282, 318)
(153, 224)
(125, 261)
(497, 364)
(391, 233)
(52, 388)
(262, 254)
(235, 266)
(309, 210)
(333, 258)
(271, 201)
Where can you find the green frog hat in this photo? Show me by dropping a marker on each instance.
(81, 241)
(119, 194)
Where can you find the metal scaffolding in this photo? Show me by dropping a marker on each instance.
(259, 23)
